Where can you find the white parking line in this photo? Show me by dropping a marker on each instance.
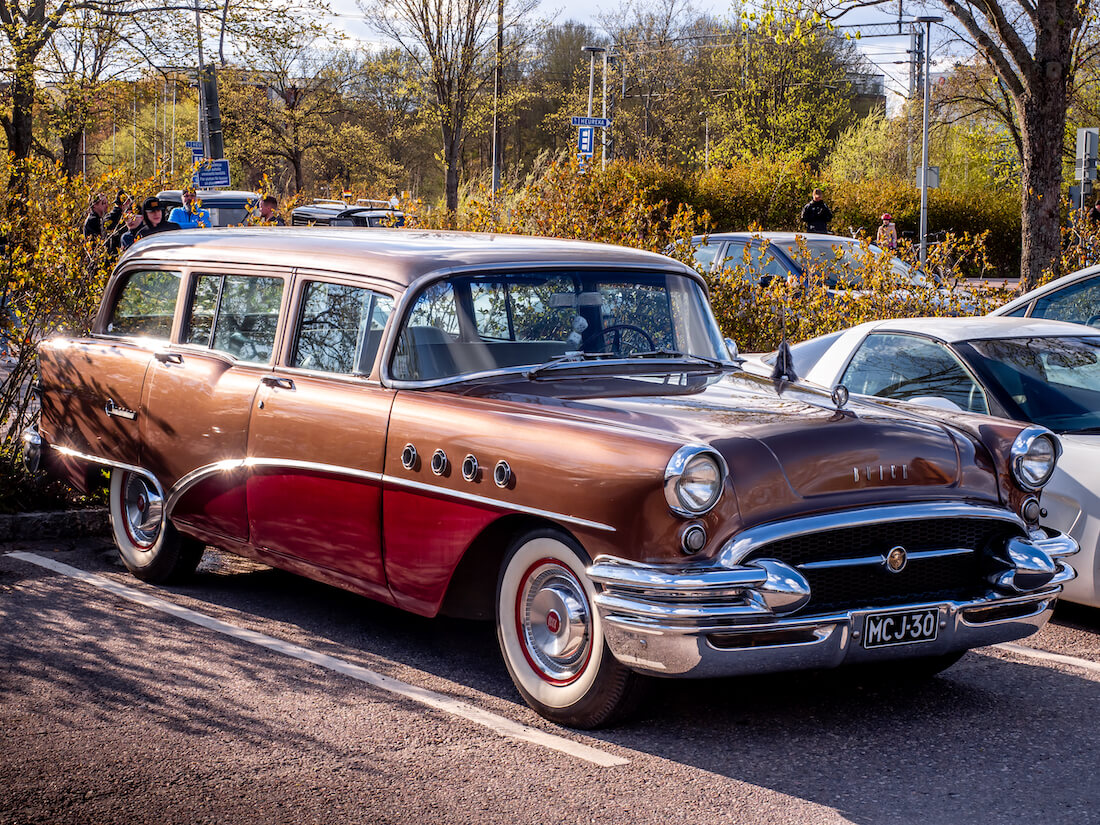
(497, 724)
(1046, 656)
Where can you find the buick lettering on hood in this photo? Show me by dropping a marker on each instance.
(550, 434)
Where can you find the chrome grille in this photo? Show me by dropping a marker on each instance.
(872, 585)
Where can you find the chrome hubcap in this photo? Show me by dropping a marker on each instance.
(142, 508)
(555, 621)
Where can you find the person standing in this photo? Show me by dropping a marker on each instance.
(190, 215)
(152, 214)
(95, 226)
(1094, 214)
(816, 214)
(266, 216)
(887, 233)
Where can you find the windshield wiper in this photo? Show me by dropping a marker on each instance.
(673, 354)
(606, 363)
(566, 358)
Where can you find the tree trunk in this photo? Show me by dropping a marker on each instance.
(1044, 126)
(451, 161)
(1043, 120)
(22, 108)
(71, 146)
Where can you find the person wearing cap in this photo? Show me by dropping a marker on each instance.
(887, 233)
(152, 222)
(190, 216)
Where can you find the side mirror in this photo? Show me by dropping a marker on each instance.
(731, 348)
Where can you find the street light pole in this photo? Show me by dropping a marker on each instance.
(706, 143)
(497, 80)
(592, 51)
(927, 21)
(603, 130)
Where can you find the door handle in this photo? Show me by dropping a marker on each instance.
(168, 357)
(114, 411)
(278, 383)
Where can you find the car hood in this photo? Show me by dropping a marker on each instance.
(792, 451)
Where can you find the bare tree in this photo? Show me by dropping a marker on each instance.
(452, 43)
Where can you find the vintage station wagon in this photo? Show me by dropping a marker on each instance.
(550, 433)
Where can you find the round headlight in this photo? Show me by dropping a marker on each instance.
(1034, 455)
(693, 480)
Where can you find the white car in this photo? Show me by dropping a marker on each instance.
(1074, 297)
(1026, 369)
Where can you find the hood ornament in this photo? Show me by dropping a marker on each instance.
(840, 396)
(784, 366)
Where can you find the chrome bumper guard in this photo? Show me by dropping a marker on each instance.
(704, 621)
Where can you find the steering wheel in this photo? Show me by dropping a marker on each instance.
(1094, 321)
(617, 331)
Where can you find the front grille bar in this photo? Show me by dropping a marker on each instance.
(864, 561)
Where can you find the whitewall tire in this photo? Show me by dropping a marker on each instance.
(151, 548)
(551, 636)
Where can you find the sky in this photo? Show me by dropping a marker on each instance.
(888, 55)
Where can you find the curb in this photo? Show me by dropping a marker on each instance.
(55, 525)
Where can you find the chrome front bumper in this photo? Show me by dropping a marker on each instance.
(723, 621)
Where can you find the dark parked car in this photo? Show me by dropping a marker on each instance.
(374, 214)
(551, 434)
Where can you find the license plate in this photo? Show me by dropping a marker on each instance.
(901, 628)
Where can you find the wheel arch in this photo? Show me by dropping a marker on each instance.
(471, 592)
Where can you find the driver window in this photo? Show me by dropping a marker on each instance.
(340, 328)
(910, 368)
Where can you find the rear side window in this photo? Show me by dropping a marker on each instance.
(236, 314)
(1078, 303)
(340, 328)
(146, 304)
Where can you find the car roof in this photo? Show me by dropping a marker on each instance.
(954, 330)
(1056, 284)
(401, 255)
(776, 237)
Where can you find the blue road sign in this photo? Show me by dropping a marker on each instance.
(212, 175)
(602, 122)
(585, 140)
(193, 144)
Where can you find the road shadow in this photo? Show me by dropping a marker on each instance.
(992, 740)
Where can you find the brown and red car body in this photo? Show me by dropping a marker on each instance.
(367, 409)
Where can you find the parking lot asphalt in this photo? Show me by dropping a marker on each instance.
(251, 695)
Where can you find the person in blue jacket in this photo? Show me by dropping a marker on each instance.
(190, 216)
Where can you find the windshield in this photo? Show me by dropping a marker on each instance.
(1052, 381)
(473, 324)
(842, 261)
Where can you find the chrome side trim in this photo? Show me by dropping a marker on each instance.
(745, 542)
(862, 561)
(69, 452)
(180, 488)
(492, 502)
